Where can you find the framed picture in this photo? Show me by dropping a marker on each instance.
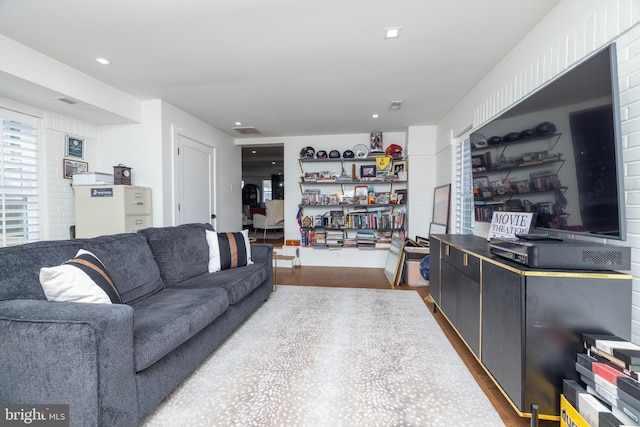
(69, 167)
(367, 171)
(441, 198)
(478, 162)
(399, 166)
(375, 141)
(422, 241)
(480, 181)
(74, 147)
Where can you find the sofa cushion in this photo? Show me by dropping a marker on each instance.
(130, 263)
(20, 266)
(81, 279)
(181, 251)
(237, 282)
(228, 250)
(168, 318)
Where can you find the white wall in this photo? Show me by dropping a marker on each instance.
(228, 170)
(418, 146)
(571, 32)
(150, 149)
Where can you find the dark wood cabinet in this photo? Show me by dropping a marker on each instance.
(525, 325)
(460, 292)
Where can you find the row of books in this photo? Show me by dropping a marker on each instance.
(375, 220)
(608, 391)
(336, 238)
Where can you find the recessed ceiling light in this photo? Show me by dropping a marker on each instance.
(375, 116)
(273, 163)
(103, 61)
(238, 123)
(392, 32)
(253, 151)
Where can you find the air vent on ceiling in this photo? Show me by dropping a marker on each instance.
(67, 100)
(395, 105)
(74, 102)
(246, 130)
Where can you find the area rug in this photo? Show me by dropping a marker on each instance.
(314, 356)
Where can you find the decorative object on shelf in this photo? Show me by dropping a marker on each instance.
(478, 163)
(74, 147)
(361, 151)
(375, 142)
(348, 154)
(69, 167)
(494, 140)
(122, 175)
(394, 150)
(383, 162)
(371, 196)
(321, 154)
(307, 153)
(360, 194)
(398, 167)
(478, 140)
(545, 128)
(367, 171)
(334, 154)
(511, 137)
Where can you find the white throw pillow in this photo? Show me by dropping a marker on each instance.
(81, 279)
(228, 250)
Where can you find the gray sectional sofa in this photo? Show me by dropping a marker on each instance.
(114, 363)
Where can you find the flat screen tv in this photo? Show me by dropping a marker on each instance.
(558, 152)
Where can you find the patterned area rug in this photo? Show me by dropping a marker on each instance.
(315, 356)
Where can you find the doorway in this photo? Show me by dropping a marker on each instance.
(263, 178)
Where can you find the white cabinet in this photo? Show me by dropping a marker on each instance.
(111, 209)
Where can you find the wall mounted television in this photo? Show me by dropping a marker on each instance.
(558, 152)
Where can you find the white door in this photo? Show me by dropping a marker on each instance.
(195, 176)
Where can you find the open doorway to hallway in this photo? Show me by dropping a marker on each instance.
(263, 180)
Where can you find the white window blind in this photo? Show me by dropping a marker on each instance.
(19, 183)
(464, 188)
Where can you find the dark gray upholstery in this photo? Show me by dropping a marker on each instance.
(115, 363)
(129, 261)
(237, 286)
(168, 318)
(181, 252)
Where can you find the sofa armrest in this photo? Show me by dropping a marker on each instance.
(70, 353)
(262, 253)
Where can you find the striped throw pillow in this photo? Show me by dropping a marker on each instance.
(81, 279)
(228, 250)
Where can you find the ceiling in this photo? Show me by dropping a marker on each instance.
(287, 67)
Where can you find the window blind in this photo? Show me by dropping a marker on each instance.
(19, 181)
(464, 188)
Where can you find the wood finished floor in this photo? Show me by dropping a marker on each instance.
(375, 278)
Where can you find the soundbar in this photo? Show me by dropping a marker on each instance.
(573, 255)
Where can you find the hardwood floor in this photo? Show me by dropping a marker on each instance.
(375, 278)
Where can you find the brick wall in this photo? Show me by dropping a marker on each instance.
(57, 200)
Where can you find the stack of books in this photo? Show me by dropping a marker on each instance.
(365, 239)
(608, 392)
(335, 238)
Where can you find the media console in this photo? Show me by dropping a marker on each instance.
(524, 324)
